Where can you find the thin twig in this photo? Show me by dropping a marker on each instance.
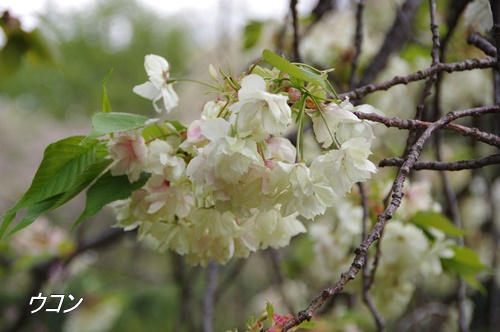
(420, 75)
(482, 43)
(368, 275)
(358, 42)
(429, 83)
(209, 297)
(487, 138)
(295, 23)
(445, 166)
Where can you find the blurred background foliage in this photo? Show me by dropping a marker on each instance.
(57, 68)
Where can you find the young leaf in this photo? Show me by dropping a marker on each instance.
(78, 185)
(108, 189)
(106, 106)
(292, 70)
(107, 123)
(270, 312)
(465, 262)
(34, 211)
(62, 163)
(307, 324)
(425, 219)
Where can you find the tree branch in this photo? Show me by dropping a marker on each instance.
(482, 43)
(397, 195)
(475, 133)
(459, 165)
(420, 75)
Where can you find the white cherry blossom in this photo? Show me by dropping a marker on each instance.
(158, 86)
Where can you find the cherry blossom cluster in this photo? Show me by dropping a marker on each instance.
(231, 182)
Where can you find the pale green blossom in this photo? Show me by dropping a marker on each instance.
(259, 113)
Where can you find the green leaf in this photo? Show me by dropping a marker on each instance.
(465, 262)
(84, 180)
(106, 106)
(108, 189)
(34, 211)
(165, 129)
(62, 163)
(79, 184)
(307, 324)
(293, 70)
(425, 219)
(12, 54)
(270, 311)
(113, 122)
(251, 34)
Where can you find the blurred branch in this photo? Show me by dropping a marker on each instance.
(367, 275)
(396, 37)
(293, 11)
(495, 10)
(274, 255)
(41, 272)
(420, 75)
(209, 297)
(482, 43)
(323, 7)
(430, 309)
(358, 41)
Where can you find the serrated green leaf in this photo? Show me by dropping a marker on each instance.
(291, 69)
(78, 185)
(62, 163)
(113, 122)
(84, 180)
(34, 211)
(108, 189)
(425, 219)
(307, 324)
(106, 106)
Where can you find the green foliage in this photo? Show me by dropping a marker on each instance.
(426, 219)
(106, 106)
(251, 34)
(67, 166)
(108, 123)
(107, 189)
(69, 82)
(466, 264)
(294, 70)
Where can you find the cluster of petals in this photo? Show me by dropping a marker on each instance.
(232, 184)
